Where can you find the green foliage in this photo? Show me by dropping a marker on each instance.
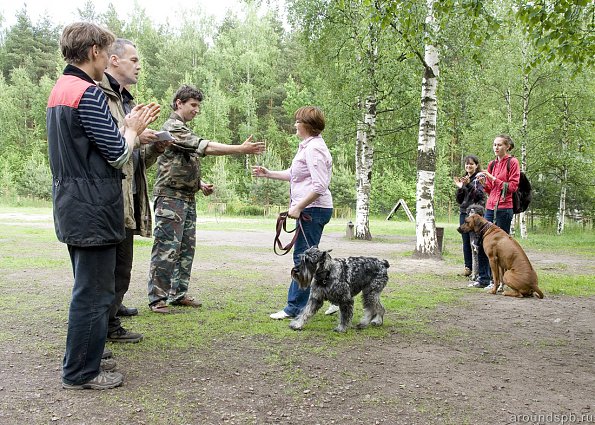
(388, 188)
(267, 191)
(255, 73)
(563, 31)
(35, 179)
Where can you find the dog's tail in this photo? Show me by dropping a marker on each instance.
(538, 293)
(386, 264)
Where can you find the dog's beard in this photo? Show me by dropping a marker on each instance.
(302, 276)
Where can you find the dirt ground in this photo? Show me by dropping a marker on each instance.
(483, 360)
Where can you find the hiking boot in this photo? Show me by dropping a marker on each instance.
(187, 302)
(107, 353)
(124, 311)
(122, 335)
(108, 364)
(467, 272)
(103, 381)
(159, 307)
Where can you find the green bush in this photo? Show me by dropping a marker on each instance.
(36, 178)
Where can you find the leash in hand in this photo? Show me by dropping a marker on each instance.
(282, 227)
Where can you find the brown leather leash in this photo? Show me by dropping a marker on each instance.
(282, 227)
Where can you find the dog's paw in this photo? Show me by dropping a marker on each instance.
(340, 329)
(361, 325)
(295, 325)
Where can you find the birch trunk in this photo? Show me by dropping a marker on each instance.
(366, 132)
(563, 184)
(425, 223)
(508, 99)
(523, 160)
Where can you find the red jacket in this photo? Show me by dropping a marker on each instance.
(503, 174)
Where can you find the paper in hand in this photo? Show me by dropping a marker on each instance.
(163, 136)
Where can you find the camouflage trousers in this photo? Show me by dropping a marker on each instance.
(173, 249)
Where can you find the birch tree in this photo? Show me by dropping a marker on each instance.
(425, 222)
(561, 215)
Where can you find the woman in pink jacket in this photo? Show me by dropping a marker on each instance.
(309, 177)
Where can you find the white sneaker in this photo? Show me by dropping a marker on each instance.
(332, 309)
(280, 315)
(489, 287)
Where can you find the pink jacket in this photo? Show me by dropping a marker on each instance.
(311, 171)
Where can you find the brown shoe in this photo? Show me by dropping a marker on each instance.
(467, 272)
(188, 302)
(159, 307)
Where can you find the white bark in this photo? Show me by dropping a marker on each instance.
(364, 161)
(425, 222)
(523, 161)
(561, 215)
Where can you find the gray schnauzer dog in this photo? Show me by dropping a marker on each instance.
(338, 281)
(480, 210)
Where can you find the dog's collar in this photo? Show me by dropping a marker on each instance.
(322, 276)
(484, 228)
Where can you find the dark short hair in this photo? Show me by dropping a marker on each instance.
(118, 46)
(312, 117)
(473, 158)
(78, 37)
(185, 93)
(507, 139)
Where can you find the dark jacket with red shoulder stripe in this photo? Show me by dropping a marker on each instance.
(87, 190)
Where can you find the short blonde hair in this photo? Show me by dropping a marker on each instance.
(78, 37)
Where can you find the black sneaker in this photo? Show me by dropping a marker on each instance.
(122, 335)
(103, 381)
(124, 311)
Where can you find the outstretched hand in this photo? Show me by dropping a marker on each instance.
(250, 147)
(259, 171)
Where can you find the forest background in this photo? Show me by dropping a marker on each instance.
(505, 67)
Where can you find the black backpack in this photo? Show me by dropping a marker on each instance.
(522, 197)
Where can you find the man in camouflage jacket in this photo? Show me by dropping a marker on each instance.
(178, 180)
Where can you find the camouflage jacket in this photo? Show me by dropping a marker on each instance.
(178, 173)
(140, 220)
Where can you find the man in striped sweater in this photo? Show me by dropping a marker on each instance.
(86, 150)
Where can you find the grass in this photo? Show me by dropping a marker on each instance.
(244, 313)
(570, 285)
(35, 276)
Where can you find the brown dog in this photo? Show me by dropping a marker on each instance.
(508, 261)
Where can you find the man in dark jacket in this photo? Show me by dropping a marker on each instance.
(122, 71)
(86, 150)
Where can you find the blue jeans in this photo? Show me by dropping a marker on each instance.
(298, 298)
(467, 254)
(92, 296)
(503, 221)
